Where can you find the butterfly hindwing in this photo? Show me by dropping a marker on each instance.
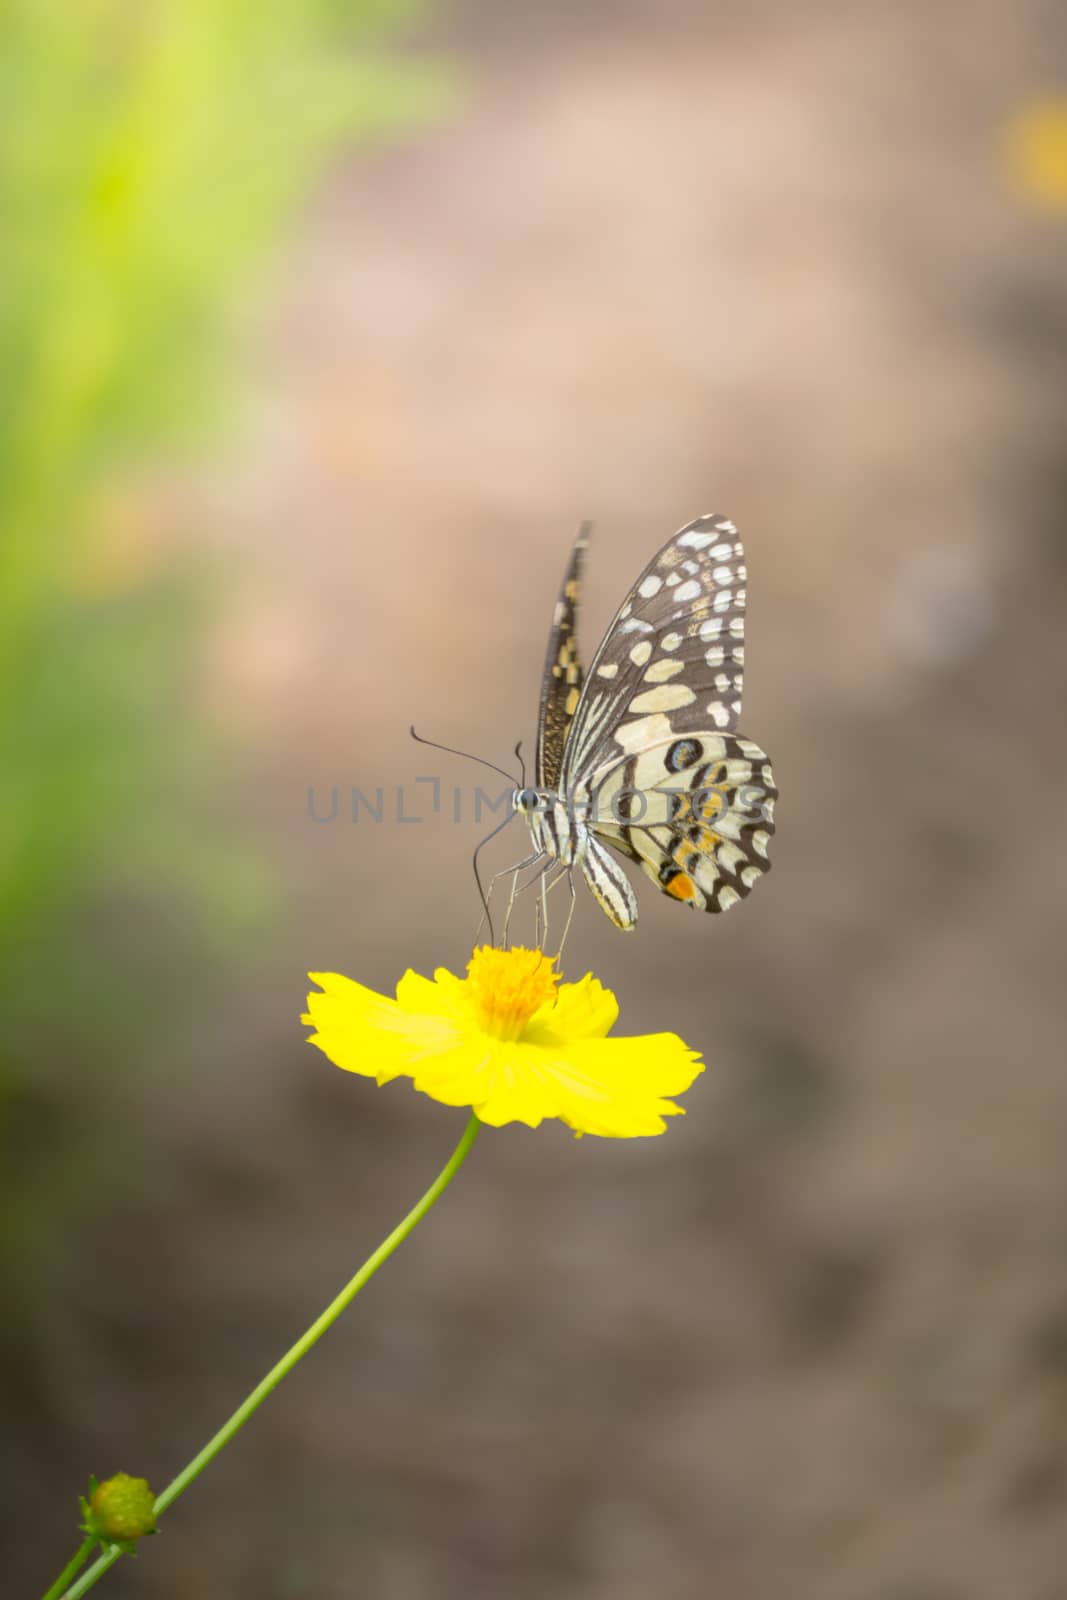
(696, 812)
(672, 660)
(561, 684)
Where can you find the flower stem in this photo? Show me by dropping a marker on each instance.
(72, 1566)
(291, 1357)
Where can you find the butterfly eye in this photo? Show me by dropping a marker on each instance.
(528, 800)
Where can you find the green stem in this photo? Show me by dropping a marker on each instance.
(71, 1568)
(292, 1356)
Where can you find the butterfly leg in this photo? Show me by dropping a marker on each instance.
(505, 872)
(517, 888)
(569, 874)
(548, 883)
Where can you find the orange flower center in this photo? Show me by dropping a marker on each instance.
(508, 986)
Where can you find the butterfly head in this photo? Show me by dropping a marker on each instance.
(556, 827)
(529, 800)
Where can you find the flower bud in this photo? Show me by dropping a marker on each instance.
(120, 1510)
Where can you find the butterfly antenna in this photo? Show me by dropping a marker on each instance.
(465, 754)
(521, 759)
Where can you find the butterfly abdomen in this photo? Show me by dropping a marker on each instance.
(564, 833)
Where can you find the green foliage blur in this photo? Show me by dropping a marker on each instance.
(149, 153)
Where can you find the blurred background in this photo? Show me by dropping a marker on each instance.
(322, 324)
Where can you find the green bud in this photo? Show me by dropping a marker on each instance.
(120, 1510)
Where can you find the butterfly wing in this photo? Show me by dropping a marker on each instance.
(561, 683)
(697, 813)
(653, 757)
(672, 660)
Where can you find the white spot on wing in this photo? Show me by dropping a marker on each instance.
(719, 714)
(729, 858)
(608, 670)
(690, 590)
(640, 653)
(668, 697)
(663, 669)
(695, 540)
(634, 736)
(649, 586)
(670, 641)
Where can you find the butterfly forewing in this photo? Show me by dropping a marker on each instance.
(673, 659)
(561, 685)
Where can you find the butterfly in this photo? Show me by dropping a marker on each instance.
(642, 753)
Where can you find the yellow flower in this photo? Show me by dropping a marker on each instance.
(510, 1041)
(1036, 149)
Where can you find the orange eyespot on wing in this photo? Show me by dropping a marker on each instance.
(680, 887)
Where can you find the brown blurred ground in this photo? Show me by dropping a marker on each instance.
(763, 260)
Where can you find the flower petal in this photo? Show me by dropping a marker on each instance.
(365, 1032)
(442, 995)
(484, 1077)
(617, 1088)
(612, 1087)
(583, 1010)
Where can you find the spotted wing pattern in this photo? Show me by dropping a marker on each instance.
(673, 659)
(697, 814)
(561, 684)
(653, 758)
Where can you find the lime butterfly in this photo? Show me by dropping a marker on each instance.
(642, 753)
